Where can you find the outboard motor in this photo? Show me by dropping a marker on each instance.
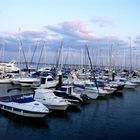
(84, 97)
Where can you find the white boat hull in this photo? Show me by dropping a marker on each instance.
(26, 84)
(32, 109)
(57, 107)
(49, 99)
(15, 81)
(5, 81)
(29, 82)
(24, 113)
(49, 84)
(92, 95)
(130, 86)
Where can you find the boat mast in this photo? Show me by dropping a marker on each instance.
(130, 45)
(3, 52)
(91, 67)
(40, 56)
(62, 56)
(110, 58)
(59, 54)
(19, 56)
(23, 51)
(34, 53)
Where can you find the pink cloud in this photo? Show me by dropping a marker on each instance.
(76, 25)
(8, 34)
(74, 29)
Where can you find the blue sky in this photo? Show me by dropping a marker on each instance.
(123, 15)
(73, 21)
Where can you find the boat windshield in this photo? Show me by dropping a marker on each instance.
(90, 85)
(23, 100)
(63, 89)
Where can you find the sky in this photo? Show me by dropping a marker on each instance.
(98, 23)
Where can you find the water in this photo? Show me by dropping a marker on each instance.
(115, 117)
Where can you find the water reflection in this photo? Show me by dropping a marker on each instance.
(115, 116)
(23, 121)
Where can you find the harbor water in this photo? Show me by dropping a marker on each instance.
(115, 117)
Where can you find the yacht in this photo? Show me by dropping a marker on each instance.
(9, 67)
(47, 82)
(90, 87)
(135, 79)
(128, 83)
(94, 91)
(5, 78)
(29, 82)
(49, 99)
(24, 106)
(66, 91)
(119, 86)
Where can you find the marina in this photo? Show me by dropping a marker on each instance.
(69, 102)
(112, 117)
(69, 70)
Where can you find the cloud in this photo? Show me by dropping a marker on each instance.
(73, 29)
(32, 36)
(102, 21)
(73, 34)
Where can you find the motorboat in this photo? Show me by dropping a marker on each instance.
(94, 91)
(135, 79)
(49, 99)
(79, 83)
(24, 106)
(15, 80)
(9, 67)
(119, 86)
(29, 82)
(102, 84)
(47, 82)
(5, 78)
(128, 83)
(45, 69)
(66, 91)
(16, 77)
